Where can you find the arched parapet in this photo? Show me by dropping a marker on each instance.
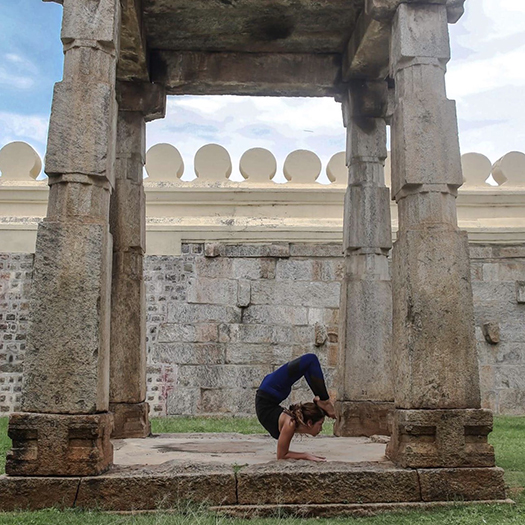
(476, 170)
(164, 163)
(19, 162)
(258, 165)
(302, 167)
(509, 171)
(336, 169)
(213, 164)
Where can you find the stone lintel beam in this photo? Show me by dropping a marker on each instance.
(367, 53)
(279, 74)
(386, 9)
(133, 63)
(142, 97)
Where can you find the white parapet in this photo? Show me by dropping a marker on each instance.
(213, 208)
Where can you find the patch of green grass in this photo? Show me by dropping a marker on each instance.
(191, 424)
(5, 443)
(508, 439)
(212, 424)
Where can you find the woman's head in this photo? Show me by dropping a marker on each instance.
(308, 417)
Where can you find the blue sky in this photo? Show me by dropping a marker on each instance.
(486, 78)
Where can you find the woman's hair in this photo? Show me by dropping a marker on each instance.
(301, 413)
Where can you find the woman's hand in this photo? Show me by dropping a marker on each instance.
(313, 457)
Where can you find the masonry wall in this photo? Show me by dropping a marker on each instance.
(220, 317)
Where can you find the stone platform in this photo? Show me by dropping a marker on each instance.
(238, 475)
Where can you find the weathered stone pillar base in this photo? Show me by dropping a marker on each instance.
(130, 420)
(363, 418)
(441, 438)
(59, 445)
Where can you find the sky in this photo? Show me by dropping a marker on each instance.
(486, 77)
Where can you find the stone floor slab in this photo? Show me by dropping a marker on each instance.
(238, 449)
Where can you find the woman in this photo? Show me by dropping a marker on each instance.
(302, 418)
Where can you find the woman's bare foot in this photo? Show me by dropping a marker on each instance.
(326, 406)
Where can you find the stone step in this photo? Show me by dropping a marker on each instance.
(328, 487)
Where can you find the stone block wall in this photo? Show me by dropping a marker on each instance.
(220, 317)
(498, 283)
(15, 281)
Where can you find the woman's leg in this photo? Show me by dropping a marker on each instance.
(308, 366)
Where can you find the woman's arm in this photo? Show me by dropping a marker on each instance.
(283, 445)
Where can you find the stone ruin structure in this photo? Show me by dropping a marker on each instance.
(385, 61)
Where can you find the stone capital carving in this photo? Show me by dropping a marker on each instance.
(366, 99)
(143, 97)
(385, 9)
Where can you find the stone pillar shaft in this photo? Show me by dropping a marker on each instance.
(139, 102)
(365, 390)
(67, 359)
(128, 301)
(435, 361)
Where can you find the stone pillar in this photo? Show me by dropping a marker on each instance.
(438, 421)
(65, 426)
(365, 391)
(138, 102)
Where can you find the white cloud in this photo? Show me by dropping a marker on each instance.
(13, 81)
(31, 128)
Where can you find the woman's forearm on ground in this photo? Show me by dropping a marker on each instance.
(294, 455)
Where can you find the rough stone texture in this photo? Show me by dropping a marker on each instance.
(285, 482)
(502, 365)
(462, 484)
(130, 420)
(323, 26)
(79, 128)
(441, 438)
(15, 284)
(157, 487)
(433, 322)
(66, 362)
(59, 445)
(83, 21)
(172, 344)
(281, 74)
(364, 361)
(128, 300)
(128, 330)
(132, 64)
(37, 493)
(366, 372)
(363, 418)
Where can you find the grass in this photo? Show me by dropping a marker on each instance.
(5, 443)
(508, 439)
(242, 425)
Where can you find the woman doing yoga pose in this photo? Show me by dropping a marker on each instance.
(302, 418)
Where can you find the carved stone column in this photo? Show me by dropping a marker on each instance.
(65, 426)
(365, 391)
(138, 102)
(438, 421)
